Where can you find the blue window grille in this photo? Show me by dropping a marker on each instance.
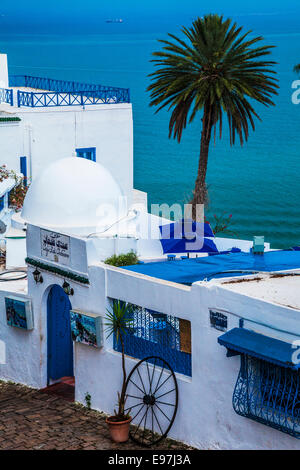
(1, 203)
(269, 394)
(87, 153)
(158, 334)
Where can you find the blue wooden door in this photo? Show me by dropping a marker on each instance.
(60, 346)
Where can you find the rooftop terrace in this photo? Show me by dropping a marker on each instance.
(188, 271)
(39, 92)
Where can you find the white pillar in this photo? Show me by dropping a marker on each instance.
(3, 71)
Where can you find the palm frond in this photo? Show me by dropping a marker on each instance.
(215, 64)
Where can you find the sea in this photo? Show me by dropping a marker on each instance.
(259, 183)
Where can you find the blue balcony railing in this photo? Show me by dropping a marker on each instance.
(79, 98)
(6, 96)
(65, 93)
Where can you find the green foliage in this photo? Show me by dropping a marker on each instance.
(18, 193)
(222, 223)
(215, 65)
(125, 259)
(118, 320)
(297, 68)
(88, 400)
(119, 324)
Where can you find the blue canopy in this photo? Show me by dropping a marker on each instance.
(257, 345)
(186, 228)
(191, 270)
(181, 245)
(180, 236)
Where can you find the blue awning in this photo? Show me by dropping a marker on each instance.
(272, 350)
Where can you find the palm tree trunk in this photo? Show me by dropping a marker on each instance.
(200, 191)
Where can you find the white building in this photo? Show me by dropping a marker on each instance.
(45, 120)
(256, 316)
(54, 119)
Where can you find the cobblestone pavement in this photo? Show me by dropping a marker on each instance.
(31, 420)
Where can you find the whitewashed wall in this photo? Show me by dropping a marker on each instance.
(48, 134)
(22, 348)
(205, 415)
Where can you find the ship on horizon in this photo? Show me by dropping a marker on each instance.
(117, 20)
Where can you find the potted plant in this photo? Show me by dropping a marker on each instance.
(118, 324)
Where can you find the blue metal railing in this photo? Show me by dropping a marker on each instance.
(269, 394)
(79, 98)
(65, 93)
(6, 96)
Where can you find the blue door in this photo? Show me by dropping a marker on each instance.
(60, 346)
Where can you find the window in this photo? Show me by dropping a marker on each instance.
(157, 334)
(87, 153)
(1, 203)
(269, 394)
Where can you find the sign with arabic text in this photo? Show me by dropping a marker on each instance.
(55, 247)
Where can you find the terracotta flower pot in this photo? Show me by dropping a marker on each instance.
(119, 430)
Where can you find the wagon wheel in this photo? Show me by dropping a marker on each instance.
(151, 400)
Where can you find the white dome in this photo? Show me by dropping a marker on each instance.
(74, 193)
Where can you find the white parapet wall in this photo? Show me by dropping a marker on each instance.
(205, 417)
(45, 135)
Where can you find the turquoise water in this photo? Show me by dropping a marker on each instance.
(259, 183)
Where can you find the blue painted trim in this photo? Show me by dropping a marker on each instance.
(268, 394)
(66, 93)
(260, 346)
(6, 96)
(23, 168)
(82, 151)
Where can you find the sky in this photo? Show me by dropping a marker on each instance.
(29, 15)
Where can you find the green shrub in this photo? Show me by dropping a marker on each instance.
(124, 259)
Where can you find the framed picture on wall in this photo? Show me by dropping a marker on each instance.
(86, 328)
(19, 312)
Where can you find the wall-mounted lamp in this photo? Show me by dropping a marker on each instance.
(37, 276)
(67, 288)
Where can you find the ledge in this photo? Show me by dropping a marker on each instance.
(59, 271)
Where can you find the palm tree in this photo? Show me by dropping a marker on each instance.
(214, 69)
(297, 68)
(119, 323)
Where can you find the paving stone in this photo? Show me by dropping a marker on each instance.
(32, 420)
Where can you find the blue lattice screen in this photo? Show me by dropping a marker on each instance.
(269, 394)
(158, 334)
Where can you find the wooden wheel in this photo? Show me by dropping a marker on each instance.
(151, 400)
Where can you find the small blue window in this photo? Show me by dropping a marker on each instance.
(1, 203)
(87, 153)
